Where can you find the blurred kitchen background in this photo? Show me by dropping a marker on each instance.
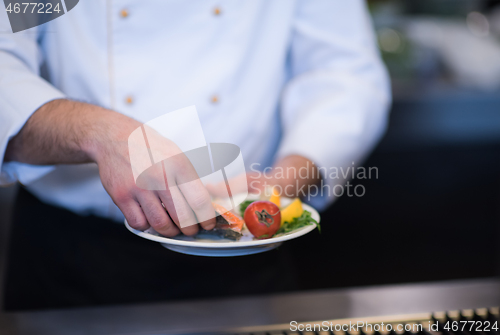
(434, 211)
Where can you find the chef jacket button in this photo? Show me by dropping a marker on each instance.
(129, 100)
(214, 99)
(124, 13)
(217, 11)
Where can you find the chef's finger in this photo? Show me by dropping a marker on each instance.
(194, 202)
(155, 214)
(179, 210)
(134, 215)
(200, 202)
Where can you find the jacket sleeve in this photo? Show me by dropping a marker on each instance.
(334, 108)
(22, 92)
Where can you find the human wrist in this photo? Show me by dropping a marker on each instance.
(104, 130)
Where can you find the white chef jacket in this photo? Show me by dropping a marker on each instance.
(274, 77)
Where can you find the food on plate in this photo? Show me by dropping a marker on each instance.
(263, 219)
(294, 210)
(227, 224)
(275, 197)
(244, 205)
(304, 219)
(293, 217)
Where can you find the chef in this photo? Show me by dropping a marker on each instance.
(295, 84)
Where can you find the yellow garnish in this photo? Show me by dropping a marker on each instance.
(294, 210)
(275, 197)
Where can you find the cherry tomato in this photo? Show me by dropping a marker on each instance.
(263, 219)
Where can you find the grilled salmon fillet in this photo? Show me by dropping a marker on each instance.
(228, 224)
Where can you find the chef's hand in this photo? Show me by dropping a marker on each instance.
(291, 174)
(143, 208)
(68, 132)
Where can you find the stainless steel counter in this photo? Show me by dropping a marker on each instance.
(196, 316)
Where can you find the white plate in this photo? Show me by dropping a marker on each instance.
(206, 245)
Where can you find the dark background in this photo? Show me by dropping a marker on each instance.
(433, 214)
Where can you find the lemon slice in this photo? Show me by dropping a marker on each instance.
(291, 211)
(275, 197)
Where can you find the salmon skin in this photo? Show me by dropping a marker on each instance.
(227, 224)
